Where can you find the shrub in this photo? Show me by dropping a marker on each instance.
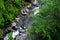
(47, 25)
(8, 10)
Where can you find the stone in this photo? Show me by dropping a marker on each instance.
(21, 30)
(35, 2)
(24, 35)
(23, 11)
(15, 33)
(17, 19)
(29, 6)
(27, 10)
(35, 10)
(13, 24)
(24, 27)
(14, 27)
(6, 37)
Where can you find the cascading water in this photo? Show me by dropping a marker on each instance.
(35, 10)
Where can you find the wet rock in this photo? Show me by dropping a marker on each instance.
(26, 9)
(23, 11)
(35, 10)
(18, 38)
(21, 30)
(17, 19)
(24, 35)
(22, 26)
(14, 28)
(15, 33)
(6, 37)
(13, 23)
(28, 1)
(29, 6)
(1, 38)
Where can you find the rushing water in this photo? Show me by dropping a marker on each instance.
(6, 37)
(35, 10)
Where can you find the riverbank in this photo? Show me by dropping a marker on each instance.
(21, 22)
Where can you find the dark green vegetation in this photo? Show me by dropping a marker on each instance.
(47, 24)
(8, 10)
(1, 33)
(10, 36)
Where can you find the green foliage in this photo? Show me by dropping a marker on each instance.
(47, 23)
(1, 33)
(10, 36)
(8, 10)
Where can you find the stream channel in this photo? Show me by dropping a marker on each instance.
(22, 22)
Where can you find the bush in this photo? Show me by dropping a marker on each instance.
(8, 10)
(47, 25)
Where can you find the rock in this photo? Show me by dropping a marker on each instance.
(18, 38)
(29, 6)
(26, 9)
(6, 37)
(1, 38)
(17, 19)
(15, 33)
(13, 24)
(35, 3)
(24, 27)
(23, 11)
(14, 28)
(5, 32)
(22, 30)
(24, 35)
(36, 10)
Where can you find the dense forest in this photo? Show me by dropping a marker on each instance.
(47, 24)
(8, 10)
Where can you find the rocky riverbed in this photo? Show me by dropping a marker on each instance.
(22, 22)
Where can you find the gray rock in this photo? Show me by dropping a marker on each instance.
(13, 23)
(17, 19)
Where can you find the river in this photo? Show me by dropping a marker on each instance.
(22, 23)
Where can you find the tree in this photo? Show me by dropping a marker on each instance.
(8, 10)
(47, 24)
